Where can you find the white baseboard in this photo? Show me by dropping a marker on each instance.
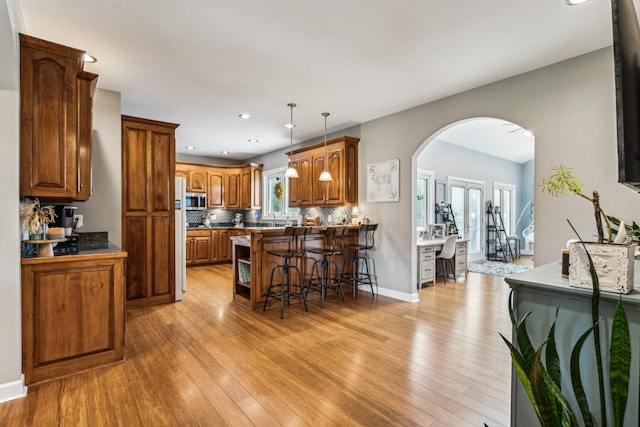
(13, 390)
(402, 296)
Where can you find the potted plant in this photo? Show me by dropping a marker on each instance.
(540, 372)
(36, 218)
(613, 259)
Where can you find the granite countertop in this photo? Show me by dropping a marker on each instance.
(112, 251)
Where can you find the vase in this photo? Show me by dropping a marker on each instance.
(614, 265)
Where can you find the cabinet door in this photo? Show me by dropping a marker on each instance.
(189, 251)
(201, 249)
(48, 119)
(246, 187)
(198, 180)
(256, 182)
(86, 88)
(182, 171)
(294, 187)
(215, 192)
(335, 166)
(305, 182)
(319, 192)
(225, 245)
(215, 246)
(232, 188)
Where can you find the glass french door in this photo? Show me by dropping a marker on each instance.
(467, 204)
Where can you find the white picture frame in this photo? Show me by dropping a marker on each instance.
(383, 181)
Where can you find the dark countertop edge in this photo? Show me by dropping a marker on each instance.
(548, 277)
(261, 229)
(112, 251)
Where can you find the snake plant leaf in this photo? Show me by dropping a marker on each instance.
(522, 341)
(552, 361)
(521, 369)
(541, 390)
(565, 413)
(619, 365)
(595, 318)
(576, 380)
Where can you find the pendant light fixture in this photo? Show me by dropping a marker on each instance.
(325, 175)
(291, 172)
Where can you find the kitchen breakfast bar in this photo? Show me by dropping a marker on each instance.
(252, 262)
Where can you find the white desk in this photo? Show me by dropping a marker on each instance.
(427, 259)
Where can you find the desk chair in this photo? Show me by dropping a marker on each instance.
(447, 252)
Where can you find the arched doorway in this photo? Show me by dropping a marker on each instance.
(467, 163)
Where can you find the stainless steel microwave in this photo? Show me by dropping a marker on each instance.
(195, 201)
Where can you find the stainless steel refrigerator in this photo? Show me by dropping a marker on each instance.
(181, 239)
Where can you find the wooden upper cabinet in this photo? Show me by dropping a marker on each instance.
(198, 180)
(195, 177)
(342, 163)
(215, 188)
(55, 123)
(232, 188)
(86, 88)
(251, 184)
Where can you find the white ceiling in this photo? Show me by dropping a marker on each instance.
(495, 137)
(201, 63)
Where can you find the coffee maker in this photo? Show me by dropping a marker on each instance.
(65, 217)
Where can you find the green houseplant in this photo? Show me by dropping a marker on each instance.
(538, 368)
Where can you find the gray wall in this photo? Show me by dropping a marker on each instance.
(568, 106)
(527, 193)
(103, 211)
(450, 160)
(11, 382)
(278, 158)
(205, 159)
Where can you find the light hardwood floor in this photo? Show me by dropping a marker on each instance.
(371, 362)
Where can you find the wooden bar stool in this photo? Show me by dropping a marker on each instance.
(356, 277)
(283, 290)
(321, 277)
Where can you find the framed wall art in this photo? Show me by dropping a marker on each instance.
(383, 181)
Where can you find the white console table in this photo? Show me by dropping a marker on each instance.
(540, 291)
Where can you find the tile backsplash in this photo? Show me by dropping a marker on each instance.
(223, 216)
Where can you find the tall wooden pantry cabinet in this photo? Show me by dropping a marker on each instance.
(148, 215)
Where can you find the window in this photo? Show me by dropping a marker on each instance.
(425, 199)
(504, 197)
(272, 204)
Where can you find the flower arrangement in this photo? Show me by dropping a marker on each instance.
(34, 216)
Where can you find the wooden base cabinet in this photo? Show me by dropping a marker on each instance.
(73, 314)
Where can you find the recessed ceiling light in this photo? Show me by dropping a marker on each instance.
(575, 2)
(289, 125)
(224, 152)
(89, 58)
(245, 116)
(253, 140)
(190, 147)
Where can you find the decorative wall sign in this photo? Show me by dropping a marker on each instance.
(383, 181)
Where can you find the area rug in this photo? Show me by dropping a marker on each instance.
(496, 268)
